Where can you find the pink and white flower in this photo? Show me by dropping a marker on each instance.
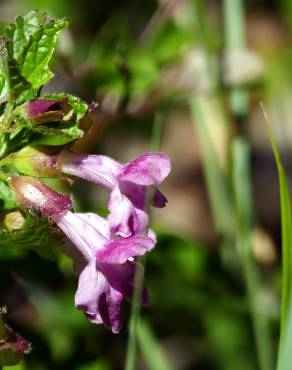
(131, 185)
(107, 266)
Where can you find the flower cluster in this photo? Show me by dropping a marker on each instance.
(104, 250)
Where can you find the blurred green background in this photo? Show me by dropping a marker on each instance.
(142, 61)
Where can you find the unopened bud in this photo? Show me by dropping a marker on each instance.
(13, 220)
(12, 347)
(33, 194)
(42, 111)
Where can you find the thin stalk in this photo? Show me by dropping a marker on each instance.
(242, 194)
(157, 131)
(131, 355)
(234, 41)
(2, 331)
(2, 327)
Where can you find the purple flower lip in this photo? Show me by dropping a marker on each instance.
(33, 194)
(107, 265)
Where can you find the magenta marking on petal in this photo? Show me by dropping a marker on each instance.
(37, 107)
(110, 309)
(147, 169)
(120, 250)
(92, 106)
(58, 203)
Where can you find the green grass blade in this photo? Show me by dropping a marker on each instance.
(284, 359)
(151, 350)
(240, 153)
(235, 40)
(218, 188)
(286, 222)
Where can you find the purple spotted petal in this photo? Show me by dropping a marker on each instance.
(98, 169)
(122, 278)
(98, 299)
(122, 249)
(31, 193)
(147, 169)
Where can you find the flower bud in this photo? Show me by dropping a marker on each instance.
(12, 345)
(13, 220)
(34, 161)
(33, 194)
(42, 111)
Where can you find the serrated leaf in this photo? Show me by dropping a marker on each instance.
(35, 235)
(20, 32)
(37, 54)
(11, 81)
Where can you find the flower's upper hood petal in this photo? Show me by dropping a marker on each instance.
(120, 250)
(147, 169)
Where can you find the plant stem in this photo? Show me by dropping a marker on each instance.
(234, 41)
(2, 328)
(131, 356)
(240, 152)
(242, 193)
(157, 131)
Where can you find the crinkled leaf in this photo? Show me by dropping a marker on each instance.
(37, 54)
(35, 235)
(11, 81)
(15, 139)
(20, 32)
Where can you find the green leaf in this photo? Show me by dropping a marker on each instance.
(35, 235)
(36, 56)
(20, 32)
(286, 222)
(11, 81)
